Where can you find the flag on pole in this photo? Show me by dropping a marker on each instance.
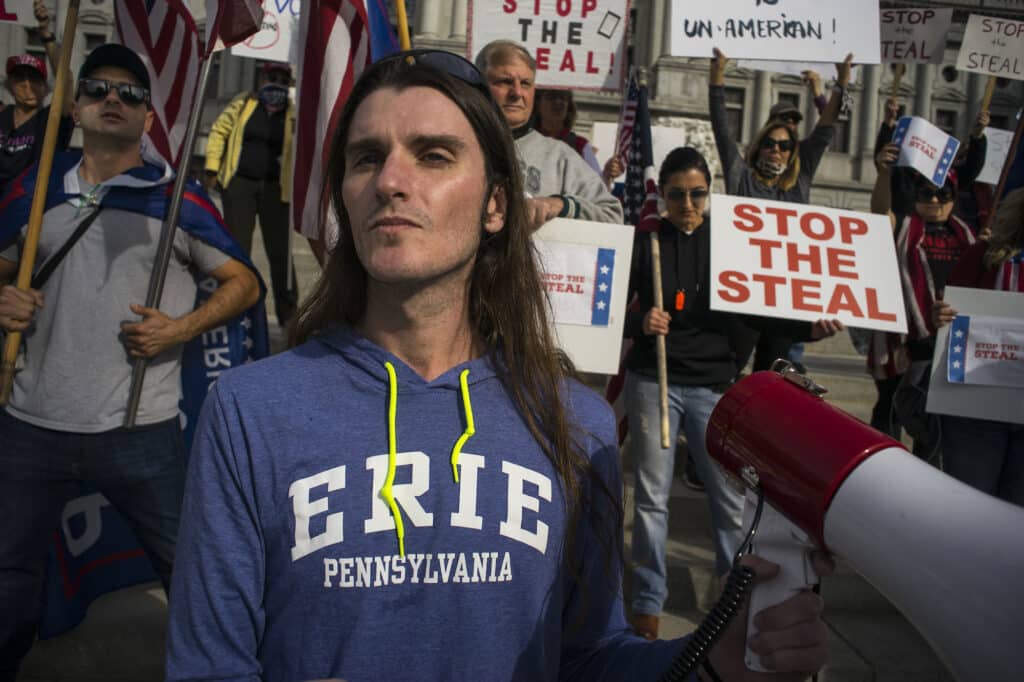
(640, 202)
(164, 35)
(338, 39)
(230, 21)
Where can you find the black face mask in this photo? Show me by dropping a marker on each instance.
(274, 97)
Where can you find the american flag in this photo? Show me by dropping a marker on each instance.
(231, 21)
(640, 203)
(163, 33)
(339, 39)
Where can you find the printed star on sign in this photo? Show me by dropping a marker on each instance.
(959, 333)
(604, 269)
(958, 349)
(600, 305)
(602, 287)
(956, 364)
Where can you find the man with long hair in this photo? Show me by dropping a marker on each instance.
(420, 490)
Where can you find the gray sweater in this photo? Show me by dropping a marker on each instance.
(553, 168)
(740, 179)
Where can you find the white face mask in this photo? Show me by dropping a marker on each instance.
(770, 168)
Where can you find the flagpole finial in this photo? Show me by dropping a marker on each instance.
(641, 76)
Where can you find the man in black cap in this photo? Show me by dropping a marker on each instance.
(22, 126)
(63, 423)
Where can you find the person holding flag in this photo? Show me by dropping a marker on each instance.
(22, 126)
(63, 423)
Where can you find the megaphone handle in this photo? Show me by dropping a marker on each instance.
(782, 543)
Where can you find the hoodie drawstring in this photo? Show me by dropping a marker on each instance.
(467, 408)
(385, 491)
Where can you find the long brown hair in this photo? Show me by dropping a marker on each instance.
(785, 181)
(1007, 230)
(507, 304)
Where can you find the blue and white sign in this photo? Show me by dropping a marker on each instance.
(925, 148)
(985, 350)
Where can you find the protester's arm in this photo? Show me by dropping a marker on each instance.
(217, 141)
(237, 290)
(725, 139)
(977, 148)
(888, 127)
(17, 307)
(216, 618)
(813, 80)
(586, 194)
(835, 103)
(881, 194)
(49, 41)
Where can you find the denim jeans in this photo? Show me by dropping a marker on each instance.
(689, 407)
(140, 471)
(986, 455)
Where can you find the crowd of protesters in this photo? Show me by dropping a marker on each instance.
(425, 127)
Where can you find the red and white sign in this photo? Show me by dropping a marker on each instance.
(993, 46)
(18, 12)
(275, 41)
(915, 36)
(802, 262)
(577, 43)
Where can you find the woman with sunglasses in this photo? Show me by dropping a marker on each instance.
(986, 454)
(930, 239)
(705, 351)
(777, 166)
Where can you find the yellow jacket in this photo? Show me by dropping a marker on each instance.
(224, 145)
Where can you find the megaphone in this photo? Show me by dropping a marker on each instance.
(949, 557)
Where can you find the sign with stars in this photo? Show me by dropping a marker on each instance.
(585, 271)
(978, 367)
(925, 148)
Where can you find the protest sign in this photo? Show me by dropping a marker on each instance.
(1004, 403)
(998, 148)
(826, 70)
(577, 43)
(993, 46)
(274, 41)
(585, 270)
(788, 30)
(986, 350)
(802, 262)
(915, 36)
(925, 148)
(18, 12)
(690, 132)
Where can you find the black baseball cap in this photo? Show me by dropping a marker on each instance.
(113, 54)
(783, 110)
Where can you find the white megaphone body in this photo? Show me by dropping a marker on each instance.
(949, 557)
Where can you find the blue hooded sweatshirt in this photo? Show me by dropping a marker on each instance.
(291, 565)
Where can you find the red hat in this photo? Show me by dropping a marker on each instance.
(31, 61)
(269, 67)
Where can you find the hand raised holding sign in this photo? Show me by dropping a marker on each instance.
(843, 70)
(718, 64)
(886, 157)
(823, 328)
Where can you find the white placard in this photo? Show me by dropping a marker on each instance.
(925, 148)
(585, 268)
(826, 70)
(993, 46)
(997, 149)
(791, 30)
(664, 138)
(802, 262)
(915, 36)
(17, 12)
(274, 41)
(985, 350)
(577, 43)
(998, 403)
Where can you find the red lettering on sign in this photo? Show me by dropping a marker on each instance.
(804, 290)
(874, 312)
(770, 282)
(567, 62)
(839, 259)
(734, 292)
(765, 246)
(843, 300)
(542, 58)
(750, 213)
(5, 15)
(509, 6)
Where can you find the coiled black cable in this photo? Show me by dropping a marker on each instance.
(734, 595)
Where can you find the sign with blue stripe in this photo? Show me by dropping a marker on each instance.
(603, 287)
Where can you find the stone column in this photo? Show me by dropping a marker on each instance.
(457, 30)
(867, 114)
(975, 92)
(428, 18)
(762, 100)
(666, 29)
(924, 79)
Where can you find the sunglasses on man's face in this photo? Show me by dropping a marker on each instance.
(926, 194)
(677, 194)
(783, 145)
(95, 88)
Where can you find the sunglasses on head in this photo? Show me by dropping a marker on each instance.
(95, 88)
(791, 118)
(677, 194)
(943, 194)
(783, 145)
(279, 77)
(445, 62)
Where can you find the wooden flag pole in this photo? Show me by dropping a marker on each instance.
(897, 77)
(167, 233)
(990, 88)
(660, 342)
(403, 25)
(27, 261)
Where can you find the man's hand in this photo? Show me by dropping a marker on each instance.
(942, 314)
(542, 209)
(792, 638)
(18, 307)
(979, 124)
(153, 335)
(843, 69)
(656, 322)
(825, 328)
(886, 157)
(612, 169)
(718, 63)
(892, 111)
(813, 80)
(42, 13)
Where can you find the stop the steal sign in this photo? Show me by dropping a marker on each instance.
(803, 262)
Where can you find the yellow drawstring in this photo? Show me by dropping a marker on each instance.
(385, 491)
(467, 407)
